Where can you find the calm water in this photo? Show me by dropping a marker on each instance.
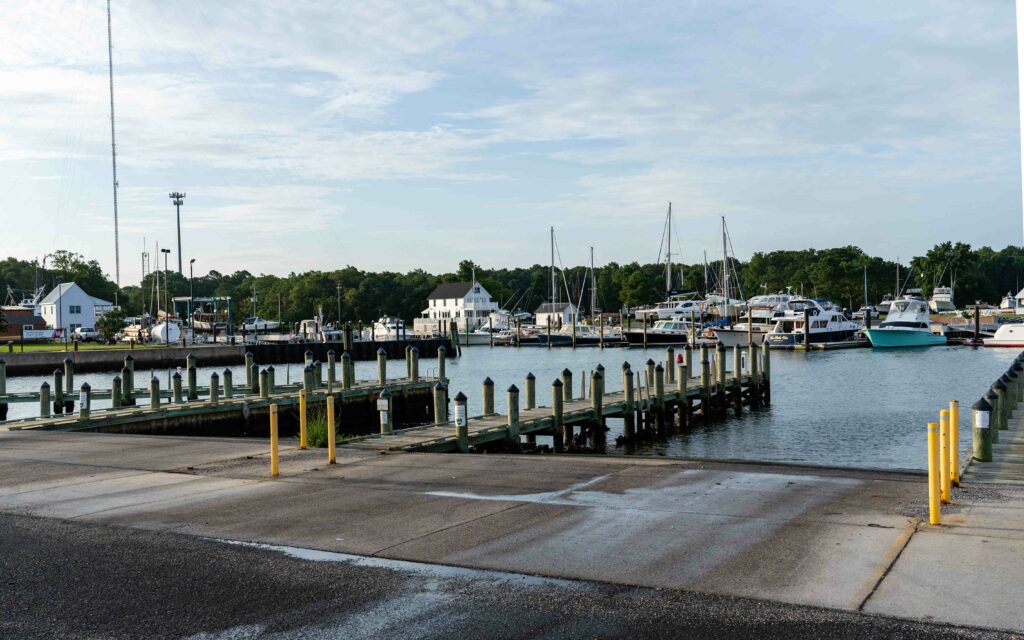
(858, 407)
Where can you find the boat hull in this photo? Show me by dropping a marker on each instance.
(738, 337)
(792, 339)
(901, 338)
(636, 338)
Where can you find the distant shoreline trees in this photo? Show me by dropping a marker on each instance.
(837, 273)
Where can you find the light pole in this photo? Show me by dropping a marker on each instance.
(191, 301)
(178, 199)
(60, 309)
(166, 293)
(339, 305)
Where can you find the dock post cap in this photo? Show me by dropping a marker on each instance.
(45, 385)
(597, 375)
(461, 397)
(58, 371)
(566, 372)
(415, 349)
(309, 352)
(345, 355)
(117, 379)
(154, 379)
(129, 357)
(439, 386)
(214, 376)
(227, 371)
(384, 393)
(625, 366)
(982, 405)
(650, 362)
(68, 359)
(600, 367)
(556, 383)
(330, 352)
(270, 368)
(488, 382)
(1005, 378)
(381, 352)
(86, 387)
(442, 349)
(999, 385)
(991, 396)
(659, 367)
(308, 368)
(720, 346)
(530, 376)
(176, 376)
(513, 389)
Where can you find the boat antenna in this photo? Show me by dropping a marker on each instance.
(113, 146)
(1020, 78)
(554, 281)
(593, 285)
(668, 255)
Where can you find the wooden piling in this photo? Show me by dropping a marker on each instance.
(765, 373)
(346, 371)
(176, 388)
(229, 387)
(44, 400)
(85, 402)
(254, 377)
(382, 366)
(414, 356)
(128, 390)
(659, 398)
(670, 365)
(250, 359)
(629, 403)
(649, 382)
(981, 415)
(115, 393)
(531, 391)
(271, 380)
(69, 376)
(737, 379)
(331, 373)
(597, 398)
(461, 423)
(567, 385)
(193, 384)
(3, 388)
(263, 386)
(705, 383)
(442, 354)
(488, 396)
(556, 415)
(214, 398)
(752, 371)
(154, 393)
(513, 417)
(58, 392)
(307, 379)
(440, 404)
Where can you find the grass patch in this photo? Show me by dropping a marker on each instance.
(316, 426)
(34, 347)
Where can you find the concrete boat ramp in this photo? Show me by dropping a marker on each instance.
(841, 539)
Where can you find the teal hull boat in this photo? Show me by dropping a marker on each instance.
(894, 338)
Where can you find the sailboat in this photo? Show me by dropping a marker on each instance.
(677, 304)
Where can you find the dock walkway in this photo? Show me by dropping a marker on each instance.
(1007, 465)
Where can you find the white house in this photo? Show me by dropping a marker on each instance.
(69, 307)
(467, 303)
(560, 313)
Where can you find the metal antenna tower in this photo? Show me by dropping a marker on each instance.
(113, 147)
(145, 270)
(178, 199)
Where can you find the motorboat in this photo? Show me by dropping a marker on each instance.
(388, 328)
(942, 300)
(584, 336)
(827, 324)
(1008, 335)
(762, 312)
(676, 306)
(907, 325)
(256, 323)
(883, 306)
(664, 332)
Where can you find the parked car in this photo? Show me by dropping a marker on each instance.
(86, 334)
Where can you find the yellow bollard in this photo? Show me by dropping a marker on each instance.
(273, 441)
(934, 507)
(944, 477)
(330, 430)
(954, 442)
(302, 419)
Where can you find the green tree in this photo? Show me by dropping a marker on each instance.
(110, 323)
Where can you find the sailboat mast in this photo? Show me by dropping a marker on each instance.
(706, 272)
(593, 286)
(896, 293)
(113, 147)
(725, 265)
(865, 285)
(668, 256)
(554, 281)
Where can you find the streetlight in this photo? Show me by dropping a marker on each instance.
(167, 336)
(339, 305)
(191, 301)
(178, 199)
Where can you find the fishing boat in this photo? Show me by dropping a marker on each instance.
(1008, 335)
(256, 323)
(663, 333)
(585, 336)
(907, 325)
(827, 324)
(942, 300)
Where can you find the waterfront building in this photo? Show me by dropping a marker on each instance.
(467, 303)
(559, 313)
(68, 307)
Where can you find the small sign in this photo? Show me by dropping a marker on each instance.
(460, 415)
(382, 404)
(981, 419)
(384, 417)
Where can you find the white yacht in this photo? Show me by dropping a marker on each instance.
(908, 324)
(388, 328)
(828, 324)
(762, 312)
(1008, 335)
(942, 300)
(677, 306)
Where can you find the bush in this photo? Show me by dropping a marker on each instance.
(316, 426)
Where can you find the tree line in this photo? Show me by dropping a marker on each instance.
(351, 294)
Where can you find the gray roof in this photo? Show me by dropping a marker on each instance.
(557, 307)
(450, 290)
(62, 290)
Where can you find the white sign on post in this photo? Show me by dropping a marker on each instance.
(981, 419)
(384, 417)
(460, 415)
(382, 404)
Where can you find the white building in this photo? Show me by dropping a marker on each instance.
(467, 303)
(559, 313)
(69, 307)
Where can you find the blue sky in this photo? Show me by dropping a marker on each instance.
(401, 135)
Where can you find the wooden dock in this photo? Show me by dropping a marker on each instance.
(997, 423)
(1007, 465)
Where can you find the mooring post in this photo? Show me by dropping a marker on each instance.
(318, 374)
(303, 417)
(649, 373)
(583, 384)
(264, 387)
(249, 360)
(115, 393)
(993, 401)
(670, 364)
(737, 379)
(85, 402)
(408, 361)
(274, 468)
(382, 366)
(193, 384)
(980, 430)
(44, 400)
(384, 407)
(755, 395)
(597, 397)
(531, 391)
(567, 385)
(441, 357)
(346, 371)
(629, 403)
(69, 376)
(461, 423)
(176, 388)
(440, 404)
(332, 434)
(765, 373)
(307, 379)
(307, 358)
(254, 377)
(513, 417)
(154, 393)
(488, 396)
(600, 369)
(271, 380)
(1001, 403)
(556, 415)
(3, 388)
(682, 380)
(331, 379)
(128, 393)
(190, 361)
(659, 398)
(705, 382)
(214, 398)
(229, 387)
(414, 356)
(720, 377)
(58, 392)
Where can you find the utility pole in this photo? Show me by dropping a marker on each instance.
(339, 303)
(178, 199)
(113, 147)
(166, 287)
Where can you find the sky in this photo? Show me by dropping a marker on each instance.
(397, 135)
